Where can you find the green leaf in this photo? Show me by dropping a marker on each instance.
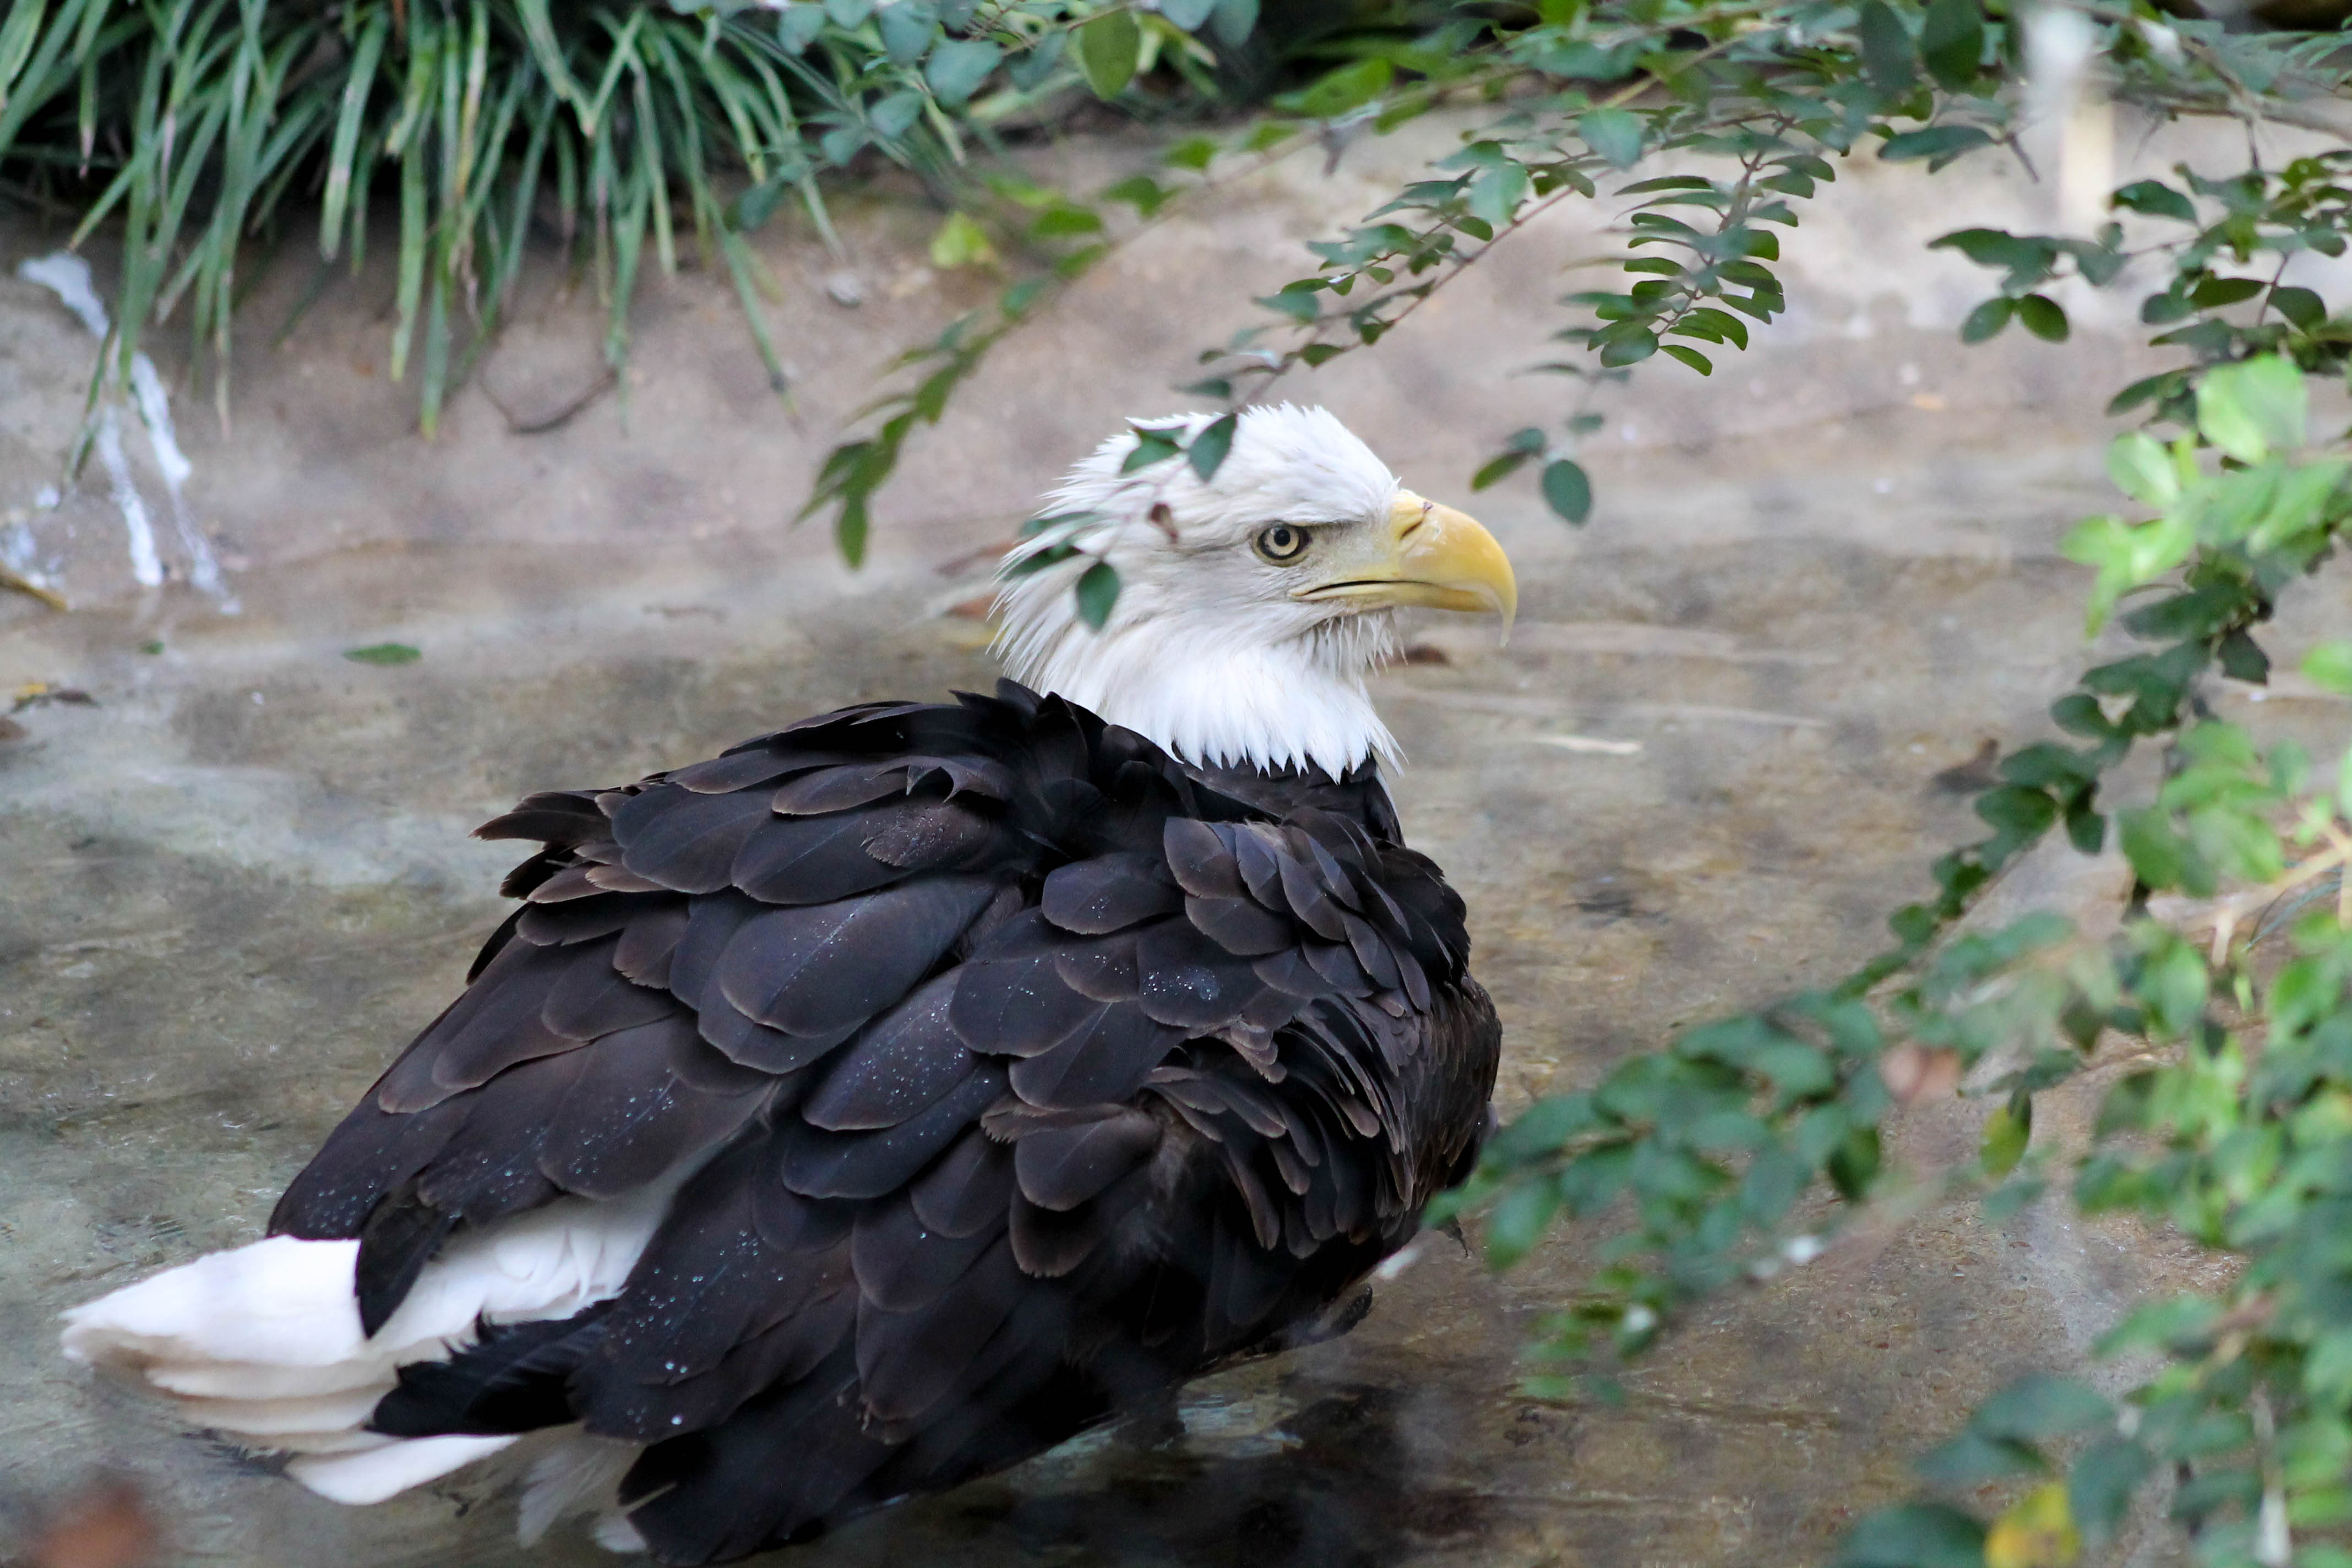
(1568, 490)
(2100, 1484)
(1517, 1222)
(1338, 91)
(2043, 316)
(907, 27)
(1141, 192)
(2252, 408)
(2330, 665)
(383, 653)
(1188, 14)
(2006, 1133)
(1108, 48)
(1194, 152)
(958, 66)
(2302, 306)
(1062, 220)
(1299, 304)
(1853, 1165)
(1938, 142)
(2155, 199)
(1097, 593)
(2039, 1407)
(799, 25)
(1234, 21)
(1988, 318)
(1972, 1459)
(2214, 292)
(1152, 445)
(1951, 40)
(2143, 470)
(1689, 356)
(1886, 51)
(1208, 449)
(1498, 469)
(2158, 857)
(1615, 133)
(2017, 811)
(2243, 658)
(17, 39)
(1914, 1535)
(960, 242)
(1628, 348)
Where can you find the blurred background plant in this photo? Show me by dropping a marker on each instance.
(1747, 1145)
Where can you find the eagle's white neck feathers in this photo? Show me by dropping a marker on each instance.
(1205, 652)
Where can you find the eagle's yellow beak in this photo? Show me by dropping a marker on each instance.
(1431, 555)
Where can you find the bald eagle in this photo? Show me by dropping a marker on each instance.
(892, 1097)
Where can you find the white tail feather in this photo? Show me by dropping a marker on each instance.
(578, 1475)
(263, 1345)
(379, 1473)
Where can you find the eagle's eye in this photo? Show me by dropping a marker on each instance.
(1281, 544)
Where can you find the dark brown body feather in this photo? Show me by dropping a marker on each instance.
(1015, 1072)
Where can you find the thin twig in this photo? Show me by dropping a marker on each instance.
(17, 584)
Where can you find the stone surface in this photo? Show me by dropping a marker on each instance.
(1701, 774)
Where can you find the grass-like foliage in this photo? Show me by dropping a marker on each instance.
(197, 128)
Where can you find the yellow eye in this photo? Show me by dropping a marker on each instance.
(1281, 544)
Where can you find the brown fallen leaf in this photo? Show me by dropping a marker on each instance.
(12, 731)
(107, 1525)
(41, 694)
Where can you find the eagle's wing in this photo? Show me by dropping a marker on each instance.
(1038, 1079)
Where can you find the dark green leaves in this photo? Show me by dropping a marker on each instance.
(2099, 1489)
(383, 653)
(2155, 199)
(959, 66)
(2253, 409)
(2006, 1131)
(1233, 21)
(1988, 318)
(1098, 594)
(1939, 144)
(1153, 444)
(1914, 1535)
(1208, 449)
(2042, 317)
(1338, 91)
(2041, 1407)
(1567, 490)
(1518, 1222)
(1615, 133)
(1952, 40)
(2329, 665)
(1886, 51)
(1522, 446)
(1108, 48)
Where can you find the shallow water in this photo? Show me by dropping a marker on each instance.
(1703, 770)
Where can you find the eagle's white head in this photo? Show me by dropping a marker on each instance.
(1253, 605)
